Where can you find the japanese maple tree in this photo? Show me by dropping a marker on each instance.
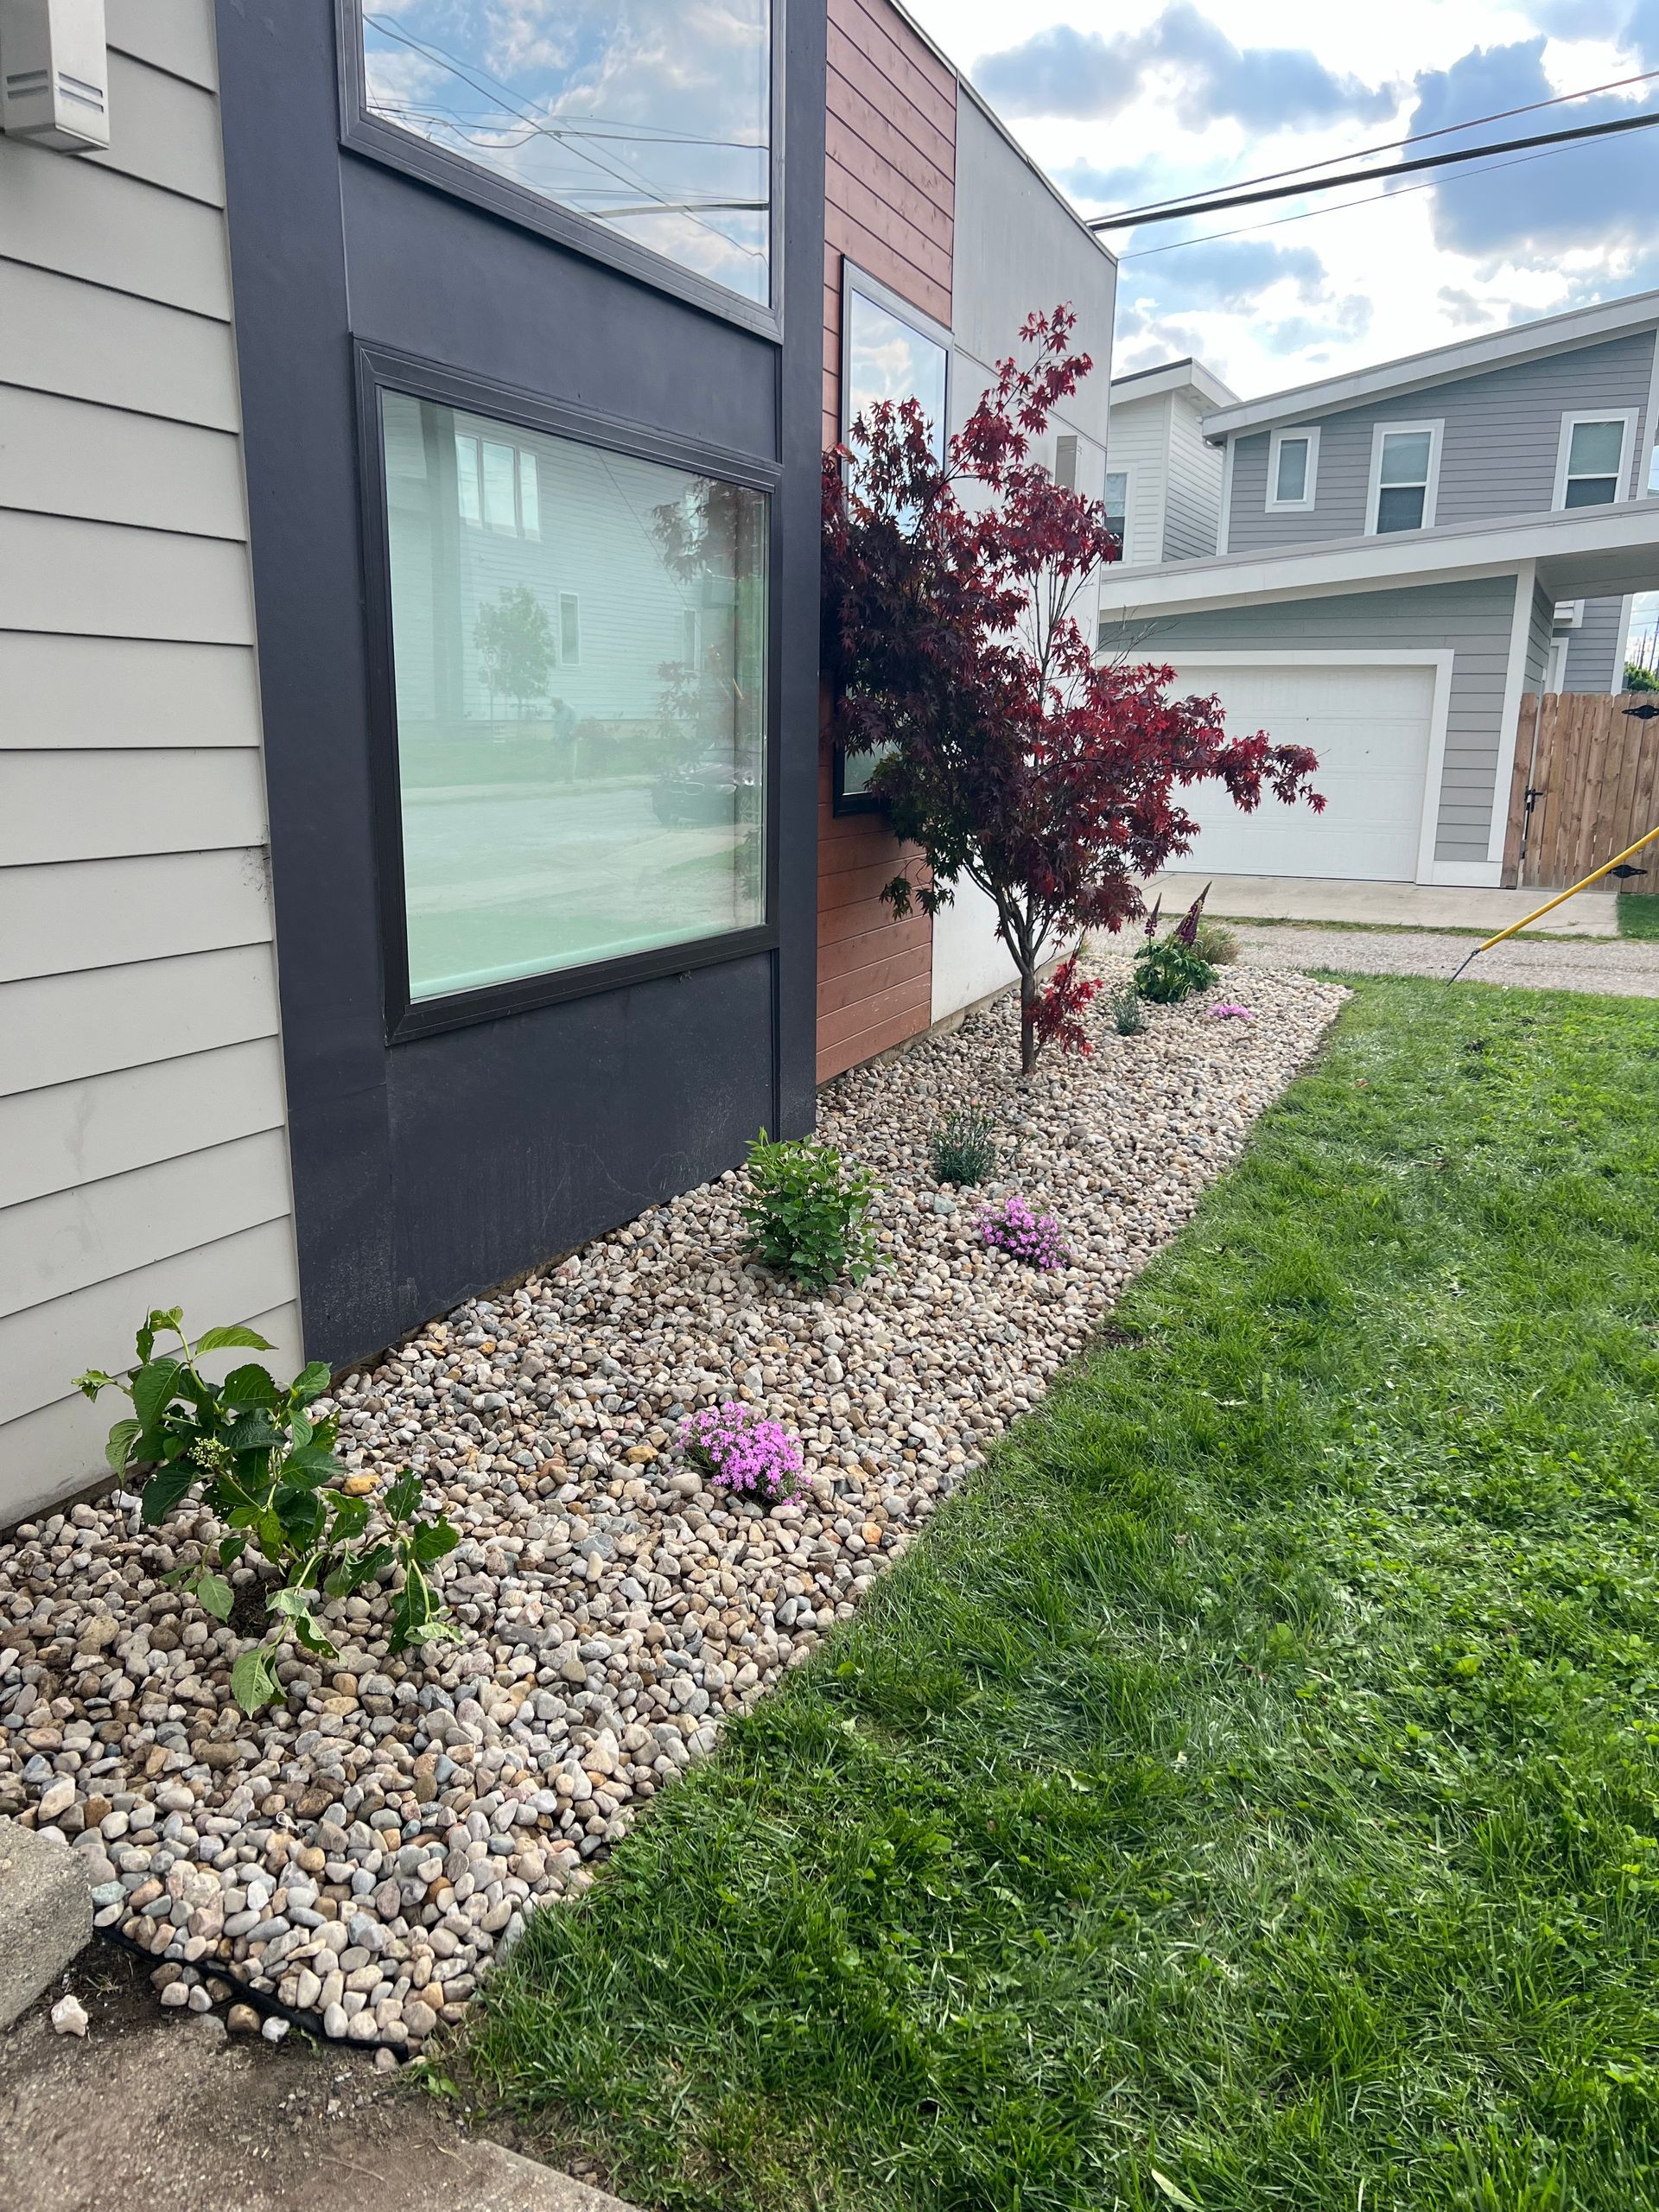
(953, 646)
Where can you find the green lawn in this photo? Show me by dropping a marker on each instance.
(1248, 1796)
(1639, 916)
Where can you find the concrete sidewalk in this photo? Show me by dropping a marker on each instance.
(1386, 906)
(155, 2112)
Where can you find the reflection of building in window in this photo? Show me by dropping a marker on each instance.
(497, 486)
(571, 790)
(1117, 506)
(646, 116)
(1065, 461)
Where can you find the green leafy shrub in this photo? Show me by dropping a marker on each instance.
(807, 1212)
(1128, 1018)
(268, 1470)
(1166, 971)
(1215, 943)
(963, 1146)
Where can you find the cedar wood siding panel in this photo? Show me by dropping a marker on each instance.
(889, 191)
(1474, 619)
(142, 1154)
(1499, 450)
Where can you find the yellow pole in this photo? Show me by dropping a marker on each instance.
(1561, 898)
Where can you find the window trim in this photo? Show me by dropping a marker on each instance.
(1275, 505)
(1379, 431)
(364, 133)
(855, 278)
(381, 369)
(1625, 417)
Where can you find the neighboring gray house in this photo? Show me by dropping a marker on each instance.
(1402, 552)
(1163, 475)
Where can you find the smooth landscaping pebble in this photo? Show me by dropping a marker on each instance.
(362, 1850)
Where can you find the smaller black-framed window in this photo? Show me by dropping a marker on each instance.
(889, 350)
(541, 836)
(409, 99)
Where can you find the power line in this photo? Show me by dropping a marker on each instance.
(1390, 145)
(1277, 222)
(1369, 176)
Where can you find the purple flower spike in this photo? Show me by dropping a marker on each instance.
(737, 1449)
(1033, 1238)
(1226, 1011)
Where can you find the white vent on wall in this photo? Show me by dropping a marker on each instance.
(55, 74)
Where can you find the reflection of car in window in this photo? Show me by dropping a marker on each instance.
(710, 792)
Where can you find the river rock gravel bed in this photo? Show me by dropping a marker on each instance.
(356, 1854)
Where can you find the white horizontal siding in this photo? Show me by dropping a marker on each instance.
(44, 1347)
(95, 224)
(83, 806)
(59, 917)
(1137, 439)
(85, 1131)
(61, 1029)
(103, 464)
(163, 132)
(71, 1431)
(87, 342)
(172, 34)
(71, 1239)
(143, 1159)
(1193, 499)
(86, 694)
(104, 579)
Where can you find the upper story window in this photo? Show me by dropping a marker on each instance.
(1293, 469)
(497, 486)
(890, 350)
(1590, 468)
(1405, 475)
(1118, 508)
(647, 116)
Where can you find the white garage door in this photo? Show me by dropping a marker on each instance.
(1370, 729)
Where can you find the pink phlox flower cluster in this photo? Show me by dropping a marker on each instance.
(1227, 1011)
(1032, 1238)
(738, 1449)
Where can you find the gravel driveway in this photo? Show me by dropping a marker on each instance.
(1622, 967)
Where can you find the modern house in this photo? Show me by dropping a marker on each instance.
(1163, 475)
(1400, 553)
(421, 851)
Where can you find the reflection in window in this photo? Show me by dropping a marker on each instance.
(890, 358)
(575, 784)
(1117, 506)
(651, 117)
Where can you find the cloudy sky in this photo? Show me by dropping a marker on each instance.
(1139, 99)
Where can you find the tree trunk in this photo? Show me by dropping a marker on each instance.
(1027, 1021)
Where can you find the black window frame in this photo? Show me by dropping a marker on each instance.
(364, 133)
(855, 278)
(381, 369)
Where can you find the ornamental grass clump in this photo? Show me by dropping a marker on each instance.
(963, 1147)
(1129, 1015)
(1031, 1237)
(807, 1212)
(737, 1448)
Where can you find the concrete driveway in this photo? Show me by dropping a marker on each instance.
(1625, 967)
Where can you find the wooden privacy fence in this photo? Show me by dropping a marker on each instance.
(1592, 772)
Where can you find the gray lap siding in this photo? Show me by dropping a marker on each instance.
(1474, 619)
(1498, 452)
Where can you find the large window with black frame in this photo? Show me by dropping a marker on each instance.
(579, 665)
